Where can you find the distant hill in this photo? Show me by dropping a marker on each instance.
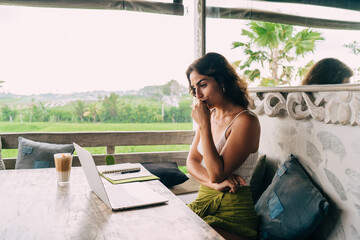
(171, 88)
(169, 92)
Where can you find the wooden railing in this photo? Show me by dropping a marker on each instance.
(109, 140)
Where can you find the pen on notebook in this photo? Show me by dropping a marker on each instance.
(131, 171)
(121, 171)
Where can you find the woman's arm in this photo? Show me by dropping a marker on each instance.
(193, 163)
(201, 115)
(242, 139)
(200, 173)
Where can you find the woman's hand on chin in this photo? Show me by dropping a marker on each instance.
(201, 113)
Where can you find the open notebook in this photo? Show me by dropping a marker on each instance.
(125, 172)
(120, 196)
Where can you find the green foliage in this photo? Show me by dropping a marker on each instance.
(302, 71)
(303, 42)
(252, 74)
(146, 107)
(180, 114)
(110, 107)
(79, 109)
(36, 112)
(183, 169)
(128, 110)
(59, 114)
(110, 160)
(8, 114)
(276, 45)
(268, 82)
(92, 111)
(354, 47)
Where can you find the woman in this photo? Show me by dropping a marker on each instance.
(328, 71)
(225, 147)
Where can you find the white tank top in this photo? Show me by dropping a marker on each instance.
(247, 168)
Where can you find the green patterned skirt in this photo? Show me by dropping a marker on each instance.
(232, 212)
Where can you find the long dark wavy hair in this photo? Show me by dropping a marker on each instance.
(327, 71)
(215, 65)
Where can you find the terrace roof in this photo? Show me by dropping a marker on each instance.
(263, 10)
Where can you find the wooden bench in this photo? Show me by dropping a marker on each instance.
(109, 140)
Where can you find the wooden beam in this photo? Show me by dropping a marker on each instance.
(102, 139)
(200, 28)
(171, 156)
(176, 8)
(267, 16)
(110, 149)
(344, 4)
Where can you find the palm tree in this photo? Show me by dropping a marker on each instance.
(79, 109)
(110, 106)
(93, 110)
(277, 45)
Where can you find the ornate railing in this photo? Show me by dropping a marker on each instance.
(332, 104)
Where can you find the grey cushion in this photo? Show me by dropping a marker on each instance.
(257, 177)
(291, 207)
(33, 154)
(2, 165)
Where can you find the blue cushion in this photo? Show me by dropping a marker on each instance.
(291, 207)
(32, 154)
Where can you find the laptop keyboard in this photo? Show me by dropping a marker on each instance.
(120, 197)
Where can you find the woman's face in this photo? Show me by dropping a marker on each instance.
(206, 89)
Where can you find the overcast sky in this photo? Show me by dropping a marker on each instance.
(46, 50)
(65, 50)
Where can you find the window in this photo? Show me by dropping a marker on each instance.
(225, 24)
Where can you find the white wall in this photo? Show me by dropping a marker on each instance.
(329, 152)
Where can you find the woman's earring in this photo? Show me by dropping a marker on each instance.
(223, 90)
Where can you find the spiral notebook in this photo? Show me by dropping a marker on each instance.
(125, 172)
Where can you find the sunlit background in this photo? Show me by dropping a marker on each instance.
(53, 50)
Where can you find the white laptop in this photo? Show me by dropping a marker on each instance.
(117, 196)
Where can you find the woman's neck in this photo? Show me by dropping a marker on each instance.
(226, 109)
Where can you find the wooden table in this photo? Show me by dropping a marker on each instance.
(32, 206)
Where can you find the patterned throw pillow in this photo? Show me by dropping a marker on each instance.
(32, 154)
(291, 207)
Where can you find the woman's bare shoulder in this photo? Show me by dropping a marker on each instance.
(246, 121)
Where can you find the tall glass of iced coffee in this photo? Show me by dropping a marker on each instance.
(63, 163)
